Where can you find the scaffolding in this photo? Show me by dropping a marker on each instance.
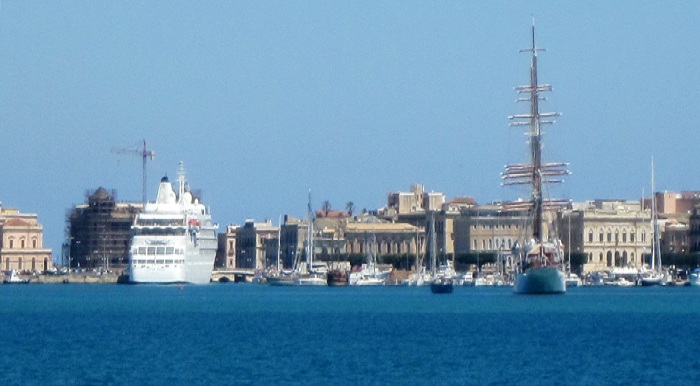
(99, 232)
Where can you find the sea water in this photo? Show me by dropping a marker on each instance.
(256, 334)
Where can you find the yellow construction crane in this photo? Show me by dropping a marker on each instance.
(145, 153)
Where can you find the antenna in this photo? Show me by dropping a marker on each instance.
(145, 154)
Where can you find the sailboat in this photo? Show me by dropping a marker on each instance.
(370, 274)
(442, 282)
(540, 267)
(655, 277)
(303, 274)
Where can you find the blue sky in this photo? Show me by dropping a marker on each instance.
(264, 100)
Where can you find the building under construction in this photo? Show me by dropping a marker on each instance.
(100, 232)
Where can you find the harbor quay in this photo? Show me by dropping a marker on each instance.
(68, 278)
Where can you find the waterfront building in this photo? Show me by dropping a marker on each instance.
(694, 230)
(485, 228)
(672, 203)
(417, 200)
(612, 233)
(256, 246)
(226, 250)
(675, 210)
(675, 234)
(329, 240)
(99, 233)
(22, 242)
(416, 208)
(488, 228)
(390, 238)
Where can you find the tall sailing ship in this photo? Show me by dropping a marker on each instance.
(173, 239)
(541, 263)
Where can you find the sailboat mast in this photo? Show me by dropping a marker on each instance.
(431, 230)
(655, 249)
(279, 243)
(535, 144)
(310, 238)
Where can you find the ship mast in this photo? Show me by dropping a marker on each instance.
(310, 237)
(655, 247)
(536, 173)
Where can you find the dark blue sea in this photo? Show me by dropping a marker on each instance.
(252, 334)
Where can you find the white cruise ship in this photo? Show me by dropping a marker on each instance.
(173, 239)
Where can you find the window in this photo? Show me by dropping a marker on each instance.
(600, 238)
(590, 236)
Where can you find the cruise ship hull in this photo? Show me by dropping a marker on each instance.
(173, 239)
(195, 270)
(542, 280)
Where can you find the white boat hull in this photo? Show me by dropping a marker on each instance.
(312, 280)
(367, 281)
(695, 280)
(573, 280)
(542, 280)
(298, 280)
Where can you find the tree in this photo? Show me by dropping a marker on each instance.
(350, 207)
(326, 207)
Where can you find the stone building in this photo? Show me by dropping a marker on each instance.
(22, 243)
(256, 246)
(416, 208)
(694, 230)
(226, 250)
(612, 233)
(389, 238)
(488, 228)
(675, 235)
(100, 232)
(672, 203)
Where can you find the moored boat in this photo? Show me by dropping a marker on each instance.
(338, 277)
(655, 276)
(694, 278)
(444, 274)
(370, 272)
(173, 239)
(305, 273)
(572, 280)
(442, 285)
(14, 278)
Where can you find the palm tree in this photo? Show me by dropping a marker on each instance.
(326, 207)
(350, 207)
